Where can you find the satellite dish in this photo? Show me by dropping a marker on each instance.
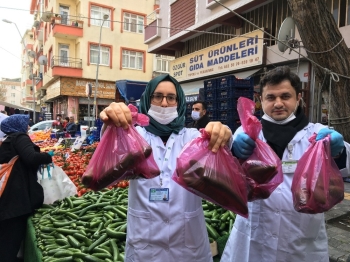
(46, 17)
(31, 54)
(286, 35)
(42, 60)
(88, 89)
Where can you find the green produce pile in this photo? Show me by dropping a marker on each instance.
(219, 223)
(93, 227)
(87, 228)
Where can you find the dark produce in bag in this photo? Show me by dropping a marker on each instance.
(121, 155)
(263, 168)
(216, 177)
(317, 183)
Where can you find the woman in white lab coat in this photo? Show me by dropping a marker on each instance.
(165, 222)
(274, 231)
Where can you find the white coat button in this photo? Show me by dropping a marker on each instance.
(277, 212)
(274, 236)
(166, 221)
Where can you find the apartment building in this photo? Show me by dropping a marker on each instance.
(208, 41)
(12, 96)
(67, 34)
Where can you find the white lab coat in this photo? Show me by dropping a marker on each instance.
(274, 231)
(166, 231)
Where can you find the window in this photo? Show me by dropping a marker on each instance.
(133, 23)
(96, 15)
(13, 87)
(163, 63)
(104, 55)
(13, 102)
(132, 59)
(13, 94)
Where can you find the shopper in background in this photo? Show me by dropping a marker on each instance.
(71, 127)
(30, 122)
(3, 112)
(274, 231)
(22, 193)
(199, 115)
(172, 230)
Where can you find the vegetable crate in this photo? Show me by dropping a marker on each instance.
(210, 84)
(232, 81)
(230, 92)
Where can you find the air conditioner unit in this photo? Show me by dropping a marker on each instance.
(158, 55)
(42, 92)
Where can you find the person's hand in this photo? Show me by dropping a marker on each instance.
(243, 146)
(51, 153)
(337, 140)
(118, 114)
(219, 135)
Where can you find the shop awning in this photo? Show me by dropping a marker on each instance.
(3, 103)
(246, 74)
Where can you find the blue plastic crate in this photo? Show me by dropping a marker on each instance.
(211, 105)
(232, 81)
(210, 95)
(227, 103)
(212, 114)
(227, 115)
(230, 92)
(189, 106)
(242, 83)
(210, 84)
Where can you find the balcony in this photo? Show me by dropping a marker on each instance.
(27, 99)
(152, 29)
(66, 66)
(62, 27)
(29, 82)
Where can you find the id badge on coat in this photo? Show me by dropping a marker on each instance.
(159, 194)
(289, 167)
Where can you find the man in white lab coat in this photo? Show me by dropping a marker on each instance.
(274, 231)
(170, 228)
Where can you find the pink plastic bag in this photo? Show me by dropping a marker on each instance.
(216, 177)
(317, 183)
(263, 168)
(121, 154)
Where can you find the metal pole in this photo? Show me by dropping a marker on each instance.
(97, 66)
(28, 60)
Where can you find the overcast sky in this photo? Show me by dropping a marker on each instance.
(16, 11)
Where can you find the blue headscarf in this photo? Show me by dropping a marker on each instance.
(15, 123)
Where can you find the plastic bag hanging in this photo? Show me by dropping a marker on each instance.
(317, 183)
(263, 168)
(216, 177)
(121, 154)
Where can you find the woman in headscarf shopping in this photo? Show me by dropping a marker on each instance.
(173, 229)
(22, 193)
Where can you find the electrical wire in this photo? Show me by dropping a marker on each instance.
(213, 33)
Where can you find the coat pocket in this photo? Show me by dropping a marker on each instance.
(310, 225)
(138, 228)
(195, 229)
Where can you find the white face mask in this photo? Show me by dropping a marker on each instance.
(195, 115)
(284, 121)
(163, 115)
(58, 119)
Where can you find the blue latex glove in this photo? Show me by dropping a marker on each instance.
(51, 153)
(337, 140)
(243, 146)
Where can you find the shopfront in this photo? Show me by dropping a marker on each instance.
(68, 97)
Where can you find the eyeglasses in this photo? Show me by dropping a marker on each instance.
(158, 98)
